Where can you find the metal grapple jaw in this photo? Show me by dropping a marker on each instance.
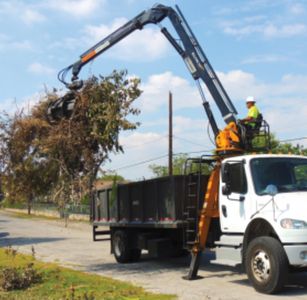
(61, 108)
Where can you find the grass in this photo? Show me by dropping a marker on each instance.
(21, 215)
(63, 283)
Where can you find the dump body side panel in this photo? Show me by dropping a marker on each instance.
(152, 203)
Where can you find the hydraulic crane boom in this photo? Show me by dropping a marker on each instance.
(229, 141)
(189, 49)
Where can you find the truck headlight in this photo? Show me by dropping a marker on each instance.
(293, 224)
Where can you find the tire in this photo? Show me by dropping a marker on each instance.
(266, 265)
(121, 247)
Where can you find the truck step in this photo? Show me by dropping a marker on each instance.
(102, 232)
(190, 230)
(225, 262)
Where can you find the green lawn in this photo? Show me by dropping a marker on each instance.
(63, 283)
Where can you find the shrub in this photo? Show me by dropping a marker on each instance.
(12, 278)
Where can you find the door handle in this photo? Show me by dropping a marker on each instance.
(224, 211)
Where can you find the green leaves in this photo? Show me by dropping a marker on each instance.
(64, 157)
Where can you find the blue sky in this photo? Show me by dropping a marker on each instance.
(257, 47)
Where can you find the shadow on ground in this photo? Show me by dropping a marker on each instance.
(3, 234)
(21, 241)
(297, 284)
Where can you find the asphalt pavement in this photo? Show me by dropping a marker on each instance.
(73, 247)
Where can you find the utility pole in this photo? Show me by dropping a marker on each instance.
(170, 135)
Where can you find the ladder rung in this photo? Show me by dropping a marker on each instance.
(190, 243)
(190, 230)
(191, 207)
(192, 195)
(190, 219)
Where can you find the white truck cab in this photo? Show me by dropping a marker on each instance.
(263, 216)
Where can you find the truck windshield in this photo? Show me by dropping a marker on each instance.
(287, 174)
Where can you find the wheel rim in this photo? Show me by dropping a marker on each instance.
(118, 246)
(261, 266)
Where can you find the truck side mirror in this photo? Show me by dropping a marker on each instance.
(226, 179)
(226, 190)
(225, 173)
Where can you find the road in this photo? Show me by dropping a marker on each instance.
(73, 247)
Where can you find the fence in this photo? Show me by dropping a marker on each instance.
(51, 207)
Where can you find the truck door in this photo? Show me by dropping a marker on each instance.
(232, 199)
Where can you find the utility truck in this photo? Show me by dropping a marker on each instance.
(250, 207)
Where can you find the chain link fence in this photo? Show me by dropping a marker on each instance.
(51, 207)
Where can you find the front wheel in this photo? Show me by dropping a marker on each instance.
(266, 265)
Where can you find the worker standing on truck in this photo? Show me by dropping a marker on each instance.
(253, 113)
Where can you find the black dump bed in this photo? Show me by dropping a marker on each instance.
(159, 202)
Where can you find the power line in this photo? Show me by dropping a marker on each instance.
(294, 139)
(157, 158)
(153, 141)
(141, 162)
(186, 140)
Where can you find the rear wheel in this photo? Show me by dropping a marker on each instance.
(122, 251)
(266, 265)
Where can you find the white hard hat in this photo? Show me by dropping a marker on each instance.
(250, 99)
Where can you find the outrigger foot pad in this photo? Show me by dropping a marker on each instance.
(194, 266)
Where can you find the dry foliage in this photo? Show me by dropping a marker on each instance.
(40, 158)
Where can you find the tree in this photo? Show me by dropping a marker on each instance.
(179, 166)
(278, 147)
(110, 176)
(74, 149)
(25, 173)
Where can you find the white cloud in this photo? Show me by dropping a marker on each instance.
(156, 91)
(142, 140)
(264, 58)
(30, 16)
(38, 68)
(184, 125)
(7, 44)
(28, 13)
(35, 12)
(282, 103)
(144, 45)
(239, 84)
(7, 105)
(297, 8)
(77, 8)
(290, 30)
(8, 6)
(267, 30)
(12, 105)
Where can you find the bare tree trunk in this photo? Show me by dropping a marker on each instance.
(29, 204)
